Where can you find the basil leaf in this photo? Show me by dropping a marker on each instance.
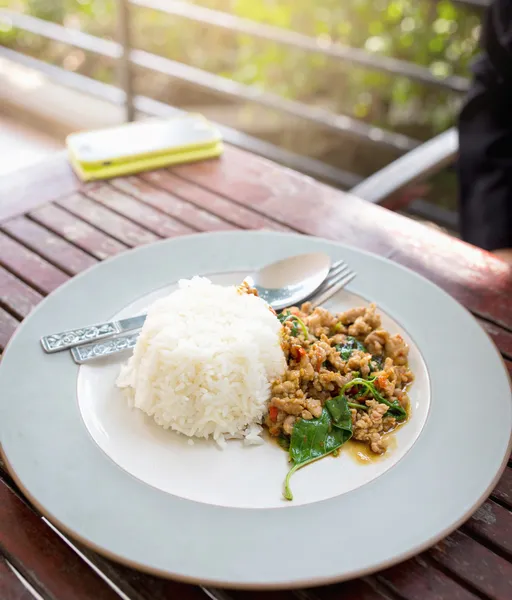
(395, 408)
(349, 345)
(284, 442)
(287, 316)
(376, 364)
(283, 316)
(314, 439)
(340, 413)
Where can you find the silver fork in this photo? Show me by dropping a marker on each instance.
(339, 276)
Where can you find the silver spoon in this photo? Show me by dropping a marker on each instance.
(281, 284)
(291, 280)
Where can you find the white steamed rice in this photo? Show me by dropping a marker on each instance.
(204, 361)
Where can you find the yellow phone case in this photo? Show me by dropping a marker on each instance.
(147, 163)
(211, 137)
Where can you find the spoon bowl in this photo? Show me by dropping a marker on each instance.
(291, 280)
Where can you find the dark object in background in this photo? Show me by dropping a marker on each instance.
(485, 137)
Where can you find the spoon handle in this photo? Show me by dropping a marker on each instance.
(56, 342)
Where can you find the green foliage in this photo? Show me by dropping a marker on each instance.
(441, 36)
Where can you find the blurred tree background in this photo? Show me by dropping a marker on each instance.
(439, 35)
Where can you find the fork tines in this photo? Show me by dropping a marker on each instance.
(339, 276)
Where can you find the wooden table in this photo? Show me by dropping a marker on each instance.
(52, 227)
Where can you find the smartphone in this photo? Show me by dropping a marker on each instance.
(135, 142)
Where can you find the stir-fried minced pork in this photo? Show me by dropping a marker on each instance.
(318, 370)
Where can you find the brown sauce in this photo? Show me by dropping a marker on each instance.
(361, 453)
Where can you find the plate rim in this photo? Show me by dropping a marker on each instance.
(295, 583)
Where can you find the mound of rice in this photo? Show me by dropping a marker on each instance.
(204, 361)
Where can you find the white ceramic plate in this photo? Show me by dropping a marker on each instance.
(110, 477)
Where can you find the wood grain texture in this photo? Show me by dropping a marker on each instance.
(8, 326)
(186, 212)
(42, 557)
(508, 366)
(476, 278)
(77, 232)
(475, 564)
(151, 219)
(115, 225)
(249, 595)
(53, 248)
(29, 267)
(11, 587)
(223, 208)
(501, 337)
(358, 589)
(503, 491)
(416, 579)
(16, 296)
(149, 587)
(42, 182)
(493, 524)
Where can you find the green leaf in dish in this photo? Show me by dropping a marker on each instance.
(395, 408)
(340, 412)
(376, 364)
(287, 316)
(284, 442)
(349, 345)
(313, 439)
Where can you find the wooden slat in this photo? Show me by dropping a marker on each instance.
(289, 198)
(18, 297)
(353, 590)
(250, 595)
(118, 227)
(42, 182)
(186, 212)
(418, 580)
(30, 267)
(508, 366)
(222, 207)
(501, 337)
(11, 587)
(493, 523)
(8, 325)
(503, 491)
(475, 564)
(476, 278)
(76, 231)
(42, 557)
(59, 252)
(149, 587)
(153, 220)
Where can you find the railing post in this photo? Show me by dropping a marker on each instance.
(124, 66)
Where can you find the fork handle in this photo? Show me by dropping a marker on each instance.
(84, 354)
(74, 337)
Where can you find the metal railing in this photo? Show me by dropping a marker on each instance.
(129, 58)
(209, 81)
(285, 37)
